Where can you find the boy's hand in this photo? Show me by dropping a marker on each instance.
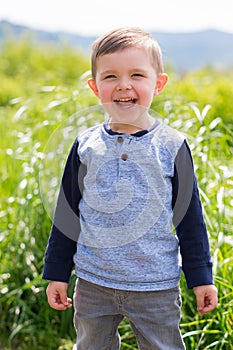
(207, 298)
(57, 295)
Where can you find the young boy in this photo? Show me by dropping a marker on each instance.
(124, 183)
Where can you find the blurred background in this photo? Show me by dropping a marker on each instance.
(45, 102)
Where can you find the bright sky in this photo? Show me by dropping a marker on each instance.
(95, 17)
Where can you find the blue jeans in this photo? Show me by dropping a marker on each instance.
(153, 316)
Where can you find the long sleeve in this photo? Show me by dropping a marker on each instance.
(65, 229)
(189, 222)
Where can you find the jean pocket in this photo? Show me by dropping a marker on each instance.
(179, 301)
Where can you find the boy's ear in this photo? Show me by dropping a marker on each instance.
(92, 84)
(161, 82)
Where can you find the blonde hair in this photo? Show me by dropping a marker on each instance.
(122, 38)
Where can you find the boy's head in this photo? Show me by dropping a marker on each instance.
(127, 72)
(123, 38)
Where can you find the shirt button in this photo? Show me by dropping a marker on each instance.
(124, 157)
(120, 139)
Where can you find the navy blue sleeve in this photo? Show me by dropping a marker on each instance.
(189, 222)
(65, 229)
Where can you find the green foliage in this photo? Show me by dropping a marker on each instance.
(44, 101)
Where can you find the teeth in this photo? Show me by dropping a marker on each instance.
(124, 99)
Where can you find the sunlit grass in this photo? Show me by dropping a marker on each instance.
(28, 118)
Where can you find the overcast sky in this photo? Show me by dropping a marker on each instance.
(95, 17)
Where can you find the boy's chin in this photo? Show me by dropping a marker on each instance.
(128, 114)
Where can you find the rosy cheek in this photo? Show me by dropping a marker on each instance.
(105, 94)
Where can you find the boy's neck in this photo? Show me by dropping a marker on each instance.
(131, 129)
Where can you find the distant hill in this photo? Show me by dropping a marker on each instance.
(184, 51)
(195, 50)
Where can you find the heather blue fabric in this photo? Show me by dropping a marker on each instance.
(126, 239)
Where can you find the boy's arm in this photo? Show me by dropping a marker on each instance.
(64, 232)
(191, 231)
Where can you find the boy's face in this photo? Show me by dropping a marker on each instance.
(126, 83)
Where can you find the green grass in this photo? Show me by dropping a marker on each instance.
(42, 104)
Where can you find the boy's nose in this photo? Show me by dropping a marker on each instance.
(124, 84)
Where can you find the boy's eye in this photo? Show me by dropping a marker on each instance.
(109, 76)
(137, 75)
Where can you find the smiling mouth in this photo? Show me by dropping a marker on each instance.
(125, 100)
